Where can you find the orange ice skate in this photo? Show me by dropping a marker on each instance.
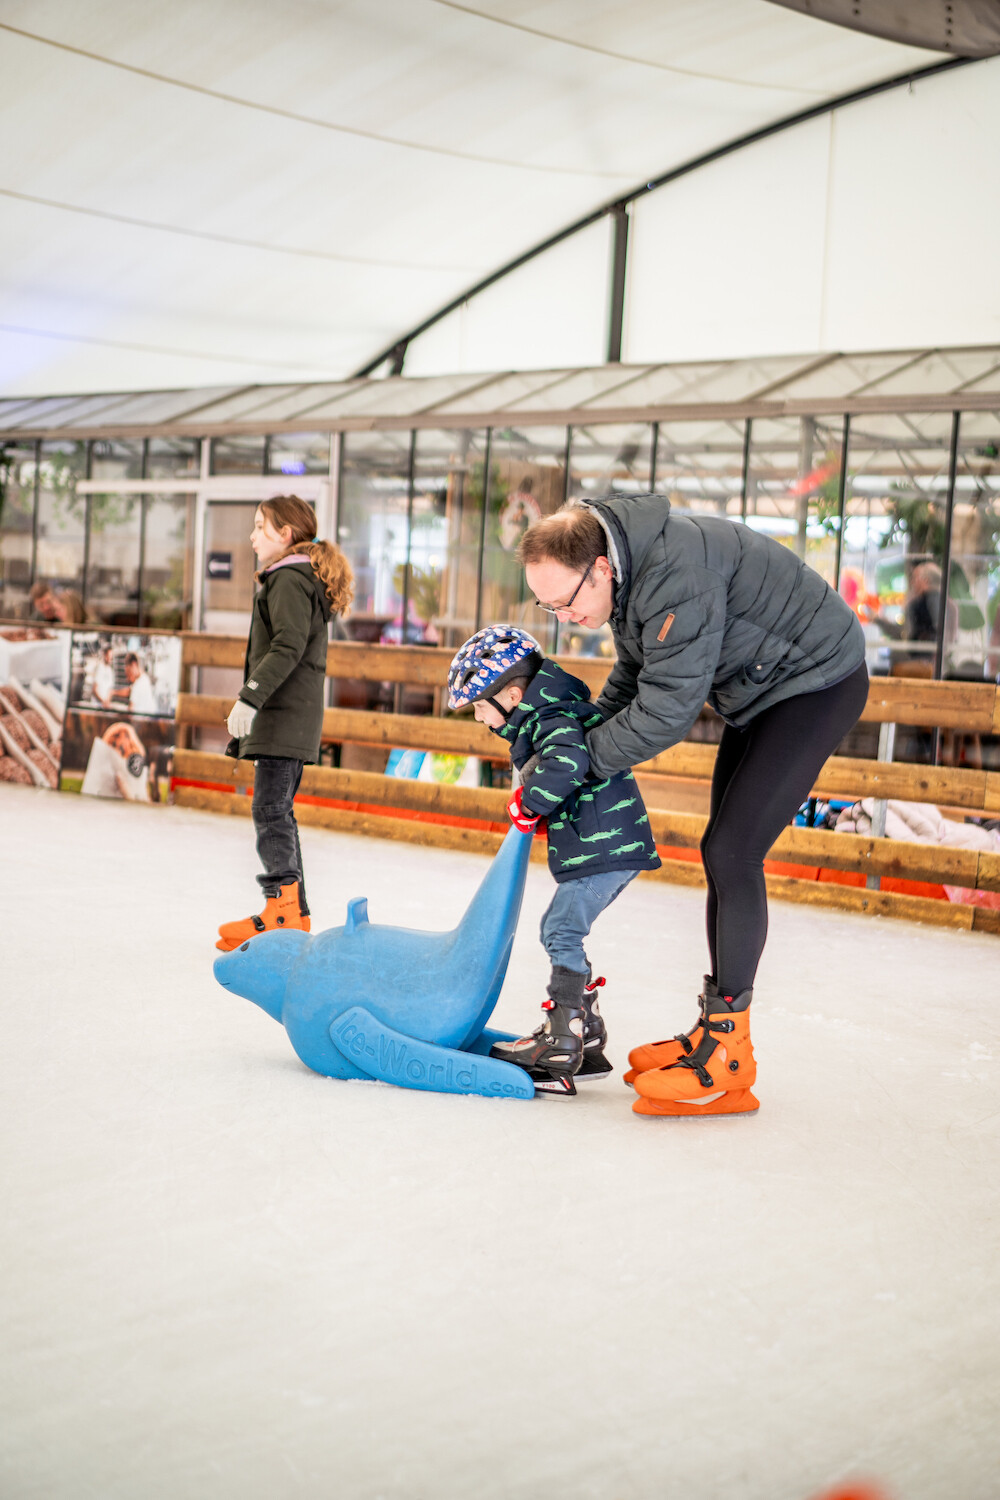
(280, 911)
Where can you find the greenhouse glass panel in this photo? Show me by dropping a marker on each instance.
(116, 458)
(168, 562)
(299, 453)
(372, 527)
(112, 585)
(896, 491)
(61, 516)
(793, 485)
(611, 459)
(17, 514)
(699, 466)
(173, 458)
(527, 481)
(238, 455)
(582, 388)
(441, 575)
(974, 575)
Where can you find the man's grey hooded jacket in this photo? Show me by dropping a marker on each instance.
(705, 609)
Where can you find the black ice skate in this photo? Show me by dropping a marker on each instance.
(553, 1053)
(595, 1037)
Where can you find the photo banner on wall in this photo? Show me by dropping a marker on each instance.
(120, 729)
(34, 672)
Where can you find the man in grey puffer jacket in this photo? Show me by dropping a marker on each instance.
(703, 608)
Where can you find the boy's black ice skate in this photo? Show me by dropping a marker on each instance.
(553, 1053)
(595, 1037)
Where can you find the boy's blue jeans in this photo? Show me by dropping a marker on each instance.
(572, 912)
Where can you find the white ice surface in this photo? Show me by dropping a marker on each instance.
(225, 1278)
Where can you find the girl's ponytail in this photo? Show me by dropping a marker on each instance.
(328, 562)
(334, 572)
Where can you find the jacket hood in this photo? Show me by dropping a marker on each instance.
(550, 684)
(305, 570)
(633, 524)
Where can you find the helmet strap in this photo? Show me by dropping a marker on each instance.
(504, 712)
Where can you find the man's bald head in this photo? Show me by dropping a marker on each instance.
(572, 536)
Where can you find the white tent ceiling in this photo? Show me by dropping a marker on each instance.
(227, 191)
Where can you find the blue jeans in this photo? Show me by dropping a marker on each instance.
(275, 782)
(572, 912)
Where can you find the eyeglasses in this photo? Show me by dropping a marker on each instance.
(560, 609)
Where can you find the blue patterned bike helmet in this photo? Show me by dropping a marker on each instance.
(486, 661)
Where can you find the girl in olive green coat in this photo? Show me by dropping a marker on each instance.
(277, 720)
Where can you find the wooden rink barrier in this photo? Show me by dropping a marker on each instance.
(803, 865)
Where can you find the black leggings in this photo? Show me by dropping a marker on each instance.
(763, 774)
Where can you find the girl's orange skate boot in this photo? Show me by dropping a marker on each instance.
(280, 912)
(665, 1054)
(716, 1078)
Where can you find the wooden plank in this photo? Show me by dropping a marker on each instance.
(207, 710)
(359, 727)
(936, 863)
(972, 706)
(991, 802)
(786, 888)
(419, 666)
(369, 825)
(483, 803)
(413, 732)
(685, 759)
(987, 873)
(949, 705)
(845, 776)
(870, 903)
(204, 649)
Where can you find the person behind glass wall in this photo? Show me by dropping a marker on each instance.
(59, 606)
(921, 617)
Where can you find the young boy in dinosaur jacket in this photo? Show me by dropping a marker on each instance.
(597, 828)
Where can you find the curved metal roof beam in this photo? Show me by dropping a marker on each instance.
(396, 351)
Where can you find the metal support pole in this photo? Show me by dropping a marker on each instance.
(88, 471)
(942, 622)
(482, 527)
(747, 426)
(946, 559)
(36, 496)
(556, 627)
(886, 747)
(841, 499)
(807, 446)
(653, 455)
(397, 696)
(143, 504)
(619, 257)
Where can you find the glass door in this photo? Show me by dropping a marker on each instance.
(227, 586)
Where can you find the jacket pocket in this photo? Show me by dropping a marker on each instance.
(761, 673)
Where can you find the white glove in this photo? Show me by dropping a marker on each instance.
(240, 719)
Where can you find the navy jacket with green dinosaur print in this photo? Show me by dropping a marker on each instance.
(595, 823)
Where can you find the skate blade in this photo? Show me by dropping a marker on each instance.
(559, 1085)
(732, 1102)
(593, 1074)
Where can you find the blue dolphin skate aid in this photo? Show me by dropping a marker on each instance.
(410, 1008)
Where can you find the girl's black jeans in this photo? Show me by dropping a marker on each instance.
(276, 780)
